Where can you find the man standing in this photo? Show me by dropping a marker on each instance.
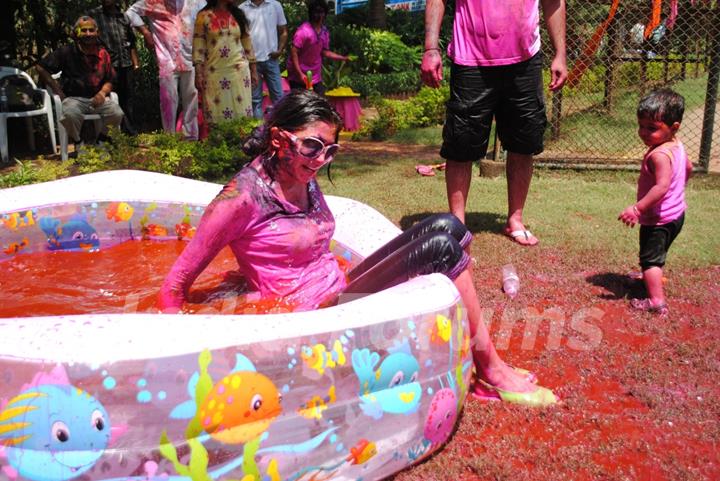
(268, 32)
(496, 70)
(86, 80)
(119, 39)
(171, 38)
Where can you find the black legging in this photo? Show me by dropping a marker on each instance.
(433, 245)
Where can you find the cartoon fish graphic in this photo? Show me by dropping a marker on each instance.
(16, 247)
(153, 230)
(314, 407)
(362, 452)
(441, 330)
(53, 432)
(75, 234)
(184, 229)
(119, 211)
(319, 358)
(240, 407)
(393, 387)
(441, 416)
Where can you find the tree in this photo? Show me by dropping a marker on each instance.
(377, 17)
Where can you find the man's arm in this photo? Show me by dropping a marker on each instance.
(282, 32)
(99, 98)
(554, 12)
(49, 81)
(431, 68)
(135, 14)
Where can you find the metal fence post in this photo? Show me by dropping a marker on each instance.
(711, 94)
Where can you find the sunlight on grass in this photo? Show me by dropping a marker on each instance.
(575, 212)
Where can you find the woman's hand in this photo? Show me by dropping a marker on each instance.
(630, 216)
(199, 79)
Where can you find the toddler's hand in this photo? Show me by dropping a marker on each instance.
(629, 216)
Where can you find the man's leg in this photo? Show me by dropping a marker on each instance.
(124, 89)
(273, 79)
(189, 96)
(518, 169)
(257, 90)
(457, 183)
(73, 109)
(168, 101)
(111, 114)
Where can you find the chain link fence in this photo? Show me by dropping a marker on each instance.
(618, 50)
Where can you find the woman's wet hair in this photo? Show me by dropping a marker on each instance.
(293, 112)
(664, 105)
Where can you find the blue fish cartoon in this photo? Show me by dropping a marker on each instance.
(75, 234)
(393, 387)
(53, 432)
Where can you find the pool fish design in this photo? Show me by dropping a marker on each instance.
(319, 358)
(119, 211)
(75, 234)
(314, 408)
(362, 452)
(53, 432)
(240, 407)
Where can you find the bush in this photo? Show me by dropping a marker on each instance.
(40, 170)
(425, 109)
(214, 158)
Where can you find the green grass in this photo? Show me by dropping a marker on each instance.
(573, 211)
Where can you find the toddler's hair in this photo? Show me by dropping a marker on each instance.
(664, 105)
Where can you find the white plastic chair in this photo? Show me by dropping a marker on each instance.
(45, 110)
(62, 133)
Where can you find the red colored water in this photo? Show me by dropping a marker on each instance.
(121, 279)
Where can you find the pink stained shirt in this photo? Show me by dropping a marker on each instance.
(281, 250)
(495, 32)
(672, 205)
(171, 23)
(310, 46)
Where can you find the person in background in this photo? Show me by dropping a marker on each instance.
(275, 220)
(171, 39)
(496, 71)
(310, 44)
(86, 80)
(224, 62)
(118, 38)
(269, 33)
(660, 206)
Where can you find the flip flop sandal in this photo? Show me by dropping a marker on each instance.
(646, 305)
(540, 397)
(523, 237)
(425, 170)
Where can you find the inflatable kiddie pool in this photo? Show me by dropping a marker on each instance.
(356, 391)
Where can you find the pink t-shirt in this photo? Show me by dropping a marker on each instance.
(672, 205)
(495, 32)
(309, 45)
(281, 250)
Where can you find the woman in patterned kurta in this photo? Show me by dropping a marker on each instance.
(224, 62)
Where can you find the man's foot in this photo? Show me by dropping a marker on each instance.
(522, 236)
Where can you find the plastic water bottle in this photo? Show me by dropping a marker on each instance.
(511, 281)
(3, 100)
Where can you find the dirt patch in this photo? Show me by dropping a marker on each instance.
(639, 393)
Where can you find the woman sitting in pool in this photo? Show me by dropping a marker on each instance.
(275, 219)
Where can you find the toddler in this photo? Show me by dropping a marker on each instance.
(660, 206)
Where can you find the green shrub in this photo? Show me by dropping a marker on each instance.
(211, 159)
(423, 110)
(30, 172)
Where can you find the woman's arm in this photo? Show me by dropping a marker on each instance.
(221, 224)
(199, 51)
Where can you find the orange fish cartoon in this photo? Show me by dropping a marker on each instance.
(184, 230)
(11, 221)
(240, 407)
(154, 230)
(362, 452)
(16, 247)
(119, 211)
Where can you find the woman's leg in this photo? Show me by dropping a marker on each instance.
(437, 223)
(488, 365)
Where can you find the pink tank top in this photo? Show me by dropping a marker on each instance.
(495, 32)
(673, 204)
